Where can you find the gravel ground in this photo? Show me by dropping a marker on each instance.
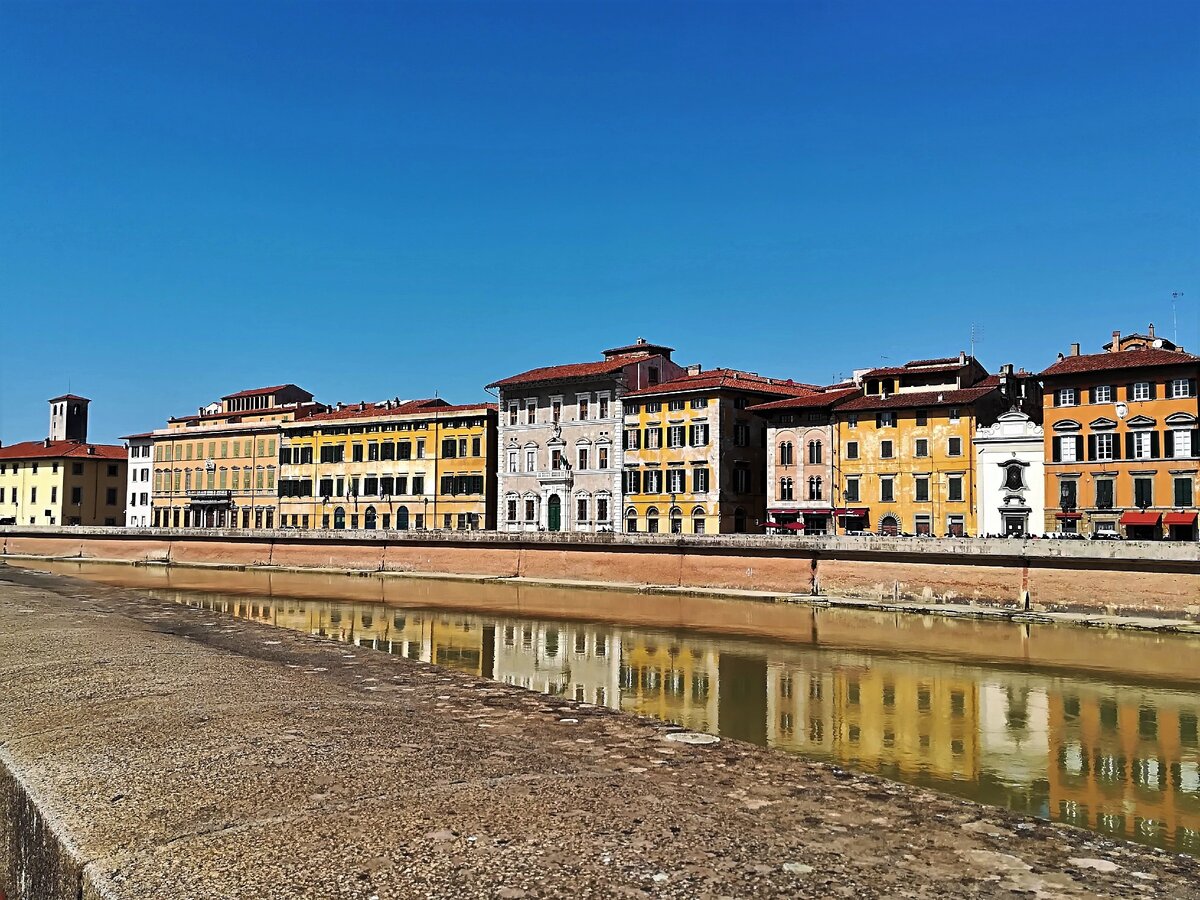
(151, 750)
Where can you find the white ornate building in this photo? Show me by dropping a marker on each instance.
(1009, 459)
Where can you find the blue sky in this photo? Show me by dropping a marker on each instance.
(380, 199)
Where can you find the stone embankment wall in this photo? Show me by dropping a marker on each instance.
(1133, 578)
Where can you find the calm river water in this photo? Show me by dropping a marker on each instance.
(1096, 728)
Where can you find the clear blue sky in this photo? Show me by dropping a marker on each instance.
(380, 199)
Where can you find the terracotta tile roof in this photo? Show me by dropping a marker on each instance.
(817, 400)
(137, 437)
(923, 398)
(726, 379)
(303, 410)
(940, 361)
(428, 406)
(1122, 359)
(640, 346)
(907, 369)
(68, 397)
(60, 449)
(564, 372)
(264, 390)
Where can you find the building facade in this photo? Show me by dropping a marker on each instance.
(561, 439)
(218, 468)
(1121, 443)
(401, 465)
(139, 506)
(1008, 458)
(802, 460)
(63, 480)
(694, 457)
(904, 453)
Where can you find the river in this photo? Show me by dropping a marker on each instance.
(1097, 728)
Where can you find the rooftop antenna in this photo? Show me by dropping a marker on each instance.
(1175, 295)
(976, 337)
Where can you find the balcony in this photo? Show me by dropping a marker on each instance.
(201, 497)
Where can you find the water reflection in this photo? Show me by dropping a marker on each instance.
(1085, 748)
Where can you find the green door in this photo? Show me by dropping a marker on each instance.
(554, 513)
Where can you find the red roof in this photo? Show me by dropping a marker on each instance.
(908, 369)
(641, 346)
(264, 390)
(302, 410)
(924, 398)
(1121, 359)
(726, 379)
(564, 372)
(941, 360)
(59, 449)
(816, 400)
(432, 405)
(68, 397)
(138, 437)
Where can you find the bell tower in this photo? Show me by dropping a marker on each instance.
(69, 418)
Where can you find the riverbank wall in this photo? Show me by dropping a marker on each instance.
(1130, 578)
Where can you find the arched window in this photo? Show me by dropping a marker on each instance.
(339, 517)
(652, 520)
(698, 520)
(814, 452)
(814, 488)
(370, 518)
(785, 489)
(631, 520)
(676, 520)
(402, 518)
(785, 453)
(739, 521)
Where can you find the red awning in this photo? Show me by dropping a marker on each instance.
(1140, 518)
(1068, 515)
(793, 526)
(820, 513)
(781, 512)
(860, 513)
(1179, 519)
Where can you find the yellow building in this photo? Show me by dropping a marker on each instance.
(904, 460)
(391, 465)
(218, 468)
(63, 480)
(695, 457)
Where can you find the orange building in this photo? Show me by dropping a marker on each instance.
(1122, 444)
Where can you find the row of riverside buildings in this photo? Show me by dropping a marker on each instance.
(1098, 444)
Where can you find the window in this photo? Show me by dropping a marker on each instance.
(785, 489)
(77, 494)
(851, 449)
(954, 414)
(654, 438)
(1068, 494)
(852, 420)
(582, 454)
(631, 520)
(652, 375)
(603, 404)
(1142, 444)
(1183, 387)
(1181, 442)
(700, 481)
(530, 510)
(581, 510)
(530, 411)
(922, 447)
(851, 493)
(1105, 444)
(601, 509)
(631, 481)
(699, 402)
(675, 405)
(652, 481)
(1143, 492)
(449, 448)
(815, 452)
(676, 481)
(675, 436)
(584, 407)
(1141, 390)
(556, 460)
(785, 453)
(1183, 491)
(601, 457)
(530, 460)
(420, 448)
(697, 521)
(923, 525)
(1065, 397)
(633, 439)
(512, 461)
(955, 526)
(699, 435)
(1069, 451)
(922, 488)
(652, 406)
(922, 417)
(1104, 493)
(815, 488)
(885, 449)
(954, 447)
(512, 414)
(741, 434)
(1102, 393)
(556, 409)
(1014, 477)
(887, 489)
(885, 420)
(741, 479)
(954, 488)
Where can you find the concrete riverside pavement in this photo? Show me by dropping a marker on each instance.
(154, 750)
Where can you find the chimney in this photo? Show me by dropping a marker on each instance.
(1074, 349)
(1116, 341)
(1151, 331)
(91, 450)
(46, 442)
(695, 369)
(962, 357)
(1007, 368)
(1060, 356)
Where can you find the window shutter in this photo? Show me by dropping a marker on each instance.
(1091, 454)
(1154, 393)
(1129, 445)
(1168, 444)
(660, 436)
(1079, 446)
(1129, 395)
(1057, 449)
(1091, 399)
(1195, 442)
(1116, 444)
(1054, 396)
(1191, 387)
(691, 435)
(1154, 443)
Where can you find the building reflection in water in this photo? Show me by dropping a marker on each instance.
(1089, 750)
